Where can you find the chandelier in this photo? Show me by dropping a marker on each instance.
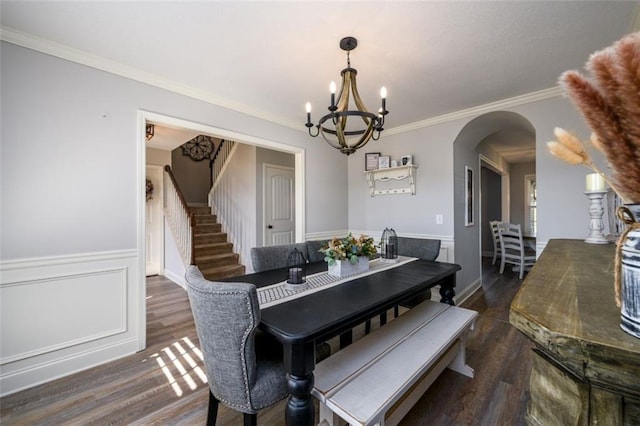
(363, 126)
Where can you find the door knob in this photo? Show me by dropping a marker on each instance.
(270, 226)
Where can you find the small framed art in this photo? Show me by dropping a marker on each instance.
(468, 187)
(406, 160)
(384, 162)
(371, 161)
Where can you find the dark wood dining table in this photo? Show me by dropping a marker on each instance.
(302, 322)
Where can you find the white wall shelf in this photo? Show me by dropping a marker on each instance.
(404, 175)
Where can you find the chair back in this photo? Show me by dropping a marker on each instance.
(313, 247)
(226, 316)
(511, 242)
(422, 248)
(274, 257)
(494, 224)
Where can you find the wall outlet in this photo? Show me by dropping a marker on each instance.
(439, 219)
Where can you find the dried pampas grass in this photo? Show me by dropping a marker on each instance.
(610, 102)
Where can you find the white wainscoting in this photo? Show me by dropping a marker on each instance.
(65, 314)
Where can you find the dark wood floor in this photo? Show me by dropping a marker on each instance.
(164, 383)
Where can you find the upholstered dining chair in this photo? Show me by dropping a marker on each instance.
(244, 367)
(513, 250)
(494, 224)
(274, 257)
(422, 248)
(313, 249)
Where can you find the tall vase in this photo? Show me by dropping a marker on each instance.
(629, 246)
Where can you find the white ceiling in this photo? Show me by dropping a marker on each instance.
(269, 58)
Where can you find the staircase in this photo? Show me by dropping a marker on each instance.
(213, 255)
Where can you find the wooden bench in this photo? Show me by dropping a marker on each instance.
(377, 379)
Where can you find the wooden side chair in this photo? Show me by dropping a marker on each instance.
(513, 250)
(496, 240)
(244, 367)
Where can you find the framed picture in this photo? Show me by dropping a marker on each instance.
(468, 194)
(406, 160)
(371, 160)
(384, 162)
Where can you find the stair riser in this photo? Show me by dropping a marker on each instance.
(207, 229)
(226, 274)
(231, 259)
(208, 251)
(210, 238)
(205, 219)
(200, 210)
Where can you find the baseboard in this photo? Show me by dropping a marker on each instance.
(178, 279)
(461, 297)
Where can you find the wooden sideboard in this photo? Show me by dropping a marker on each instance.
(586, 370)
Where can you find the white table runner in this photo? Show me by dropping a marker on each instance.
(280, 292)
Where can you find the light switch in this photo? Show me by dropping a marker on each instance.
(439, 219)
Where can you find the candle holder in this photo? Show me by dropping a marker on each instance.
(389, 246)
(596, 212)
(296, 271)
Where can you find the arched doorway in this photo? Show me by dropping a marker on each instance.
(502, 139)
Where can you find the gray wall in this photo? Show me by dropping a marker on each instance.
(193, 177)
(516, 183)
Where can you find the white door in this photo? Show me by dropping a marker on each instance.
(279, 205)
(154, 218)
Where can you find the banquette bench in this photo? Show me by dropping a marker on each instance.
(377, 379)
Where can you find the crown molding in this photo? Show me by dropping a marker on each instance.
(48, 47)
(479, 110)
(84, 58)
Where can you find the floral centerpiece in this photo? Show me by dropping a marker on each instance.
(349, 248)
(610, 102)
(340, 253)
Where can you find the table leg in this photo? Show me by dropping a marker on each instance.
(299, 363)
(447, 291)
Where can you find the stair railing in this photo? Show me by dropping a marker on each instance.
(220, 158)
(223, 202)
(180, 220)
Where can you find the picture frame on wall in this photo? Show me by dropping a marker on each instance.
(371, 161)
(384, 162)
(406, 160)
(468, 190)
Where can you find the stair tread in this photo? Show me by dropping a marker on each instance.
(223, 267)
(208, 257)
(211, 245)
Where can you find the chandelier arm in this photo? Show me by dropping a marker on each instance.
(370, 119)
(317, 131)
(358, 100)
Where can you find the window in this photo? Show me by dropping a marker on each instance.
(530, 196)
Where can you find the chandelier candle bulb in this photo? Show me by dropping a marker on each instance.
(332, 89)
(383, 95)
(595, 182)
(308, 108)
